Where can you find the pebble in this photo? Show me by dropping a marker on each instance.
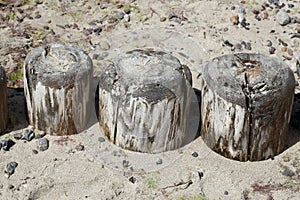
(288, 172)
(234, 20)
(162, 19)
(10, 168)
(283, 49)
(6, 144)
(28, 135)
(159, 161)
(126, 11)
(264, 15)
(101, 139)
(10, 186)
(34, 151)
(38, 16)
(195, 154)
(283, 18)
(272, 50)
(79, 147)
(43, 144)
(17, 136)
(126, 17)
(276, 2)
(227, 43)
(132, 179)
(290, 52)
(291, 5)
(119, 15)
(97, 30)
(247, 45)
(200, 174)
(268, 43)
(226, 192)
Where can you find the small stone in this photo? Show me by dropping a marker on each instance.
(159, 161)
(226, 192)
(283, 49)
(43, 144)
(200, 174)
(10, 186)
(227, 43)
(17, 136)
(291, 5)
(132, 179)
(234, 20)
(272, 50)
(126, 17)
(28, 135)
(34, 151)
(101, 139)
(268, 43)
(195, 154)
(126, 11)
(257, 18)
(38, 16)
(162, 19)
(290, 52)
(119, 15)
(247, 45)
(10, 168)
(288, 172)
(6, 144)
(282, 18)
(79, 147)
(264, 15)
(97, 30)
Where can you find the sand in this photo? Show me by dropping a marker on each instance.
(193, 31)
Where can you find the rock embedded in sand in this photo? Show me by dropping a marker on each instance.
(283, 18)
(10, 168)
(43, 144)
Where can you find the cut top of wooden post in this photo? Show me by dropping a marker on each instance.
(262, 74)
(46, 64)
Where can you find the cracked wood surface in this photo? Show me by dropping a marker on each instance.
(3, 101)
(246, 105)
(57, 88)
(144, 101)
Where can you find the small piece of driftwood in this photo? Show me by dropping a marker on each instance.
(246, 105)
(57, 80)
(3, 101)
(144, 101)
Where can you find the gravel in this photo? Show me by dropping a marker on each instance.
(283, 18)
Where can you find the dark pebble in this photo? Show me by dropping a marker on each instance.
(10, 187)
(6, 144)
(17, 136)
(38, 16)
(195, 154)
(291, 5)
(28, 135)
(132, 179)
(159, 161)
(126, 11)
(46, 27)
(43, 144)
(268, 43)
(288, 172)
(67, 26)
(10, 168)
(226, 192)
(255, 12)
(227, 43)
(272, 50)
(272, 31)
(200, 174)
(282, 42)
(247, 45)
(125, 163)
(258, 18)
(101, 139)
(34, 151)
(79, 147)
(97, 30)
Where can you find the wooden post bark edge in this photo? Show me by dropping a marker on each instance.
(246, 105)
(3, 101)
(57, 80)
(144, 100)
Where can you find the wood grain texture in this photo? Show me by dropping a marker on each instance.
(3, 101)
(57, 82)
(246, 105)
(144, 101)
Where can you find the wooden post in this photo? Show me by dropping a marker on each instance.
(3, 101)
(246, 105)
(144, 101)
(57, 82)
